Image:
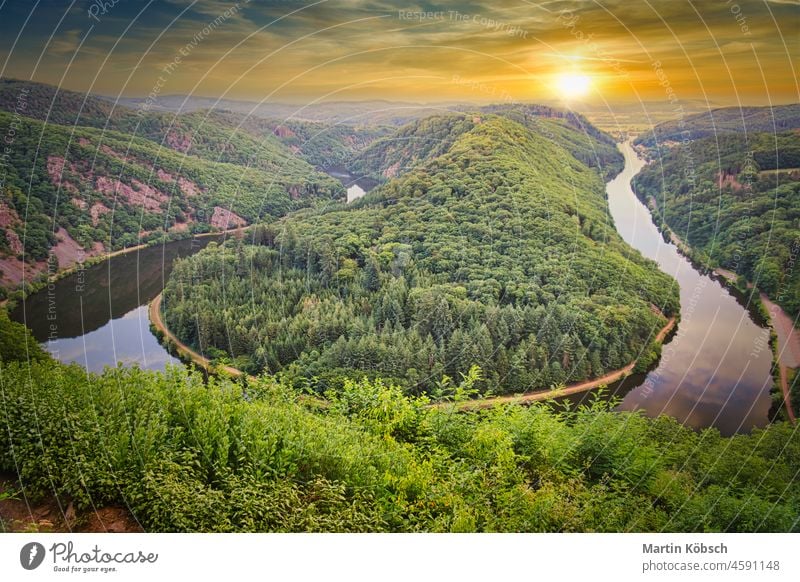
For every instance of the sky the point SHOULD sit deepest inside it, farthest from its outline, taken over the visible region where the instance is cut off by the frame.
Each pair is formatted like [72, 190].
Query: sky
[605, 52]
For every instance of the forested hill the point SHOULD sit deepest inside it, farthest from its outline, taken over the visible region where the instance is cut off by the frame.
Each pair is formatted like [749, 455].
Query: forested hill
[495, 249]
[78, 190]
[211, 135]
[322, 145]
[82, 175]
[735, 200]
[743, 120]
[418, 141]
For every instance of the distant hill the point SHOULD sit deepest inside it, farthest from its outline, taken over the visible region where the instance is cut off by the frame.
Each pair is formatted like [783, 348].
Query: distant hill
[214, 136]
[401, 151]
[320, 144]
[738, 207]
[72, 190]
[355, 113]
[725, 120]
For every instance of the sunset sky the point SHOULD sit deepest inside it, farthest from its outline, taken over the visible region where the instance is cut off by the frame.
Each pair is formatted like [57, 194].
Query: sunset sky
[605, 51]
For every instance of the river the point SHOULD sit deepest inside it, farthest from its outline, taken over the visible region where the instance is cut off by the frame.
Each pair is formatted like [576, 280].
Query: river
[356, 186]
[97, 316]
[715, 371]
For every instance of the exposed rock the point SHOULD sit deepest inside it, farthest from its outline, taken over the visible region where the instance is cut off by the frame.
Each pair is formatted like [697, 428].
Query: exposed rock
[13, 242]
[392, 170]
[283, 131]
[225, 219]
[96, 211]
[179, 141]
[8, 216]
[142, 195]
[67, 250]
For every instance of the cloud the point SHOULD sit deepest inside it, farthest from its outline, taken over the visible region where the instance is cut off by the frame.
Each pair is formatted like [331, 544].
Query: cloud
[331, 43]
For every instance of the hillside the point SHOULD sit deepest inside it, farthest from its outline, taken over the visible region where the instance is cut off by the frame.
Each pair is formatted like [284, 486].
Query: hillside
[743, 120]
[740, 211]
[496, 249]
[401, 151]
[353, 113]
[81, 191]
[213, 136]
[178, 453]
[322, 145]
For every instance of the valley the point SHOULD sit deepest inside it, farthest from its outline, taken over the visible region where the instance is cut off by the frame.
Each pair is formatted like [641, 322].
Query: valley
[462, 321]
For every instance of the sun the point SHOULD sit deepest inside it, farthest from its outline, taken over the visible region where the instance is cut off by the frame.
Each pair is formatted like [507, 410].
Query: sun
[572, 85]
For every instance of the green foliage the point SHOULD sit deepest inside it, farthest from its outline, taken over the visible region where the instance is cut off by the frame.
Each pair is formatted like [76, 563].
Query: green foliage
[726, 120]
[16, 342]
[155, 174]
[188, 456]
[738, 207]
[214, 136]
[322, 145]
[177, 169]
[423, 140]
[498, 253]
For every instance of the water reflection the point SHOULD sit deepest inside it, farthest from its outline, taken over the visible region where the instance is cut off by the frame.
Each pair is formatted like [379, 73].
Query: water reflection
[716, 369]
[356, 186]
[98, 316]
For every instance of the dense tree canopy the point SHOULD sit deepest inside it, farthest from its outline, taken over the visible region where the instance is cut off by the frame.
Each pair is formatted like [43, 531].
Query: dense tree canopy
[497, 251]
[735, 199]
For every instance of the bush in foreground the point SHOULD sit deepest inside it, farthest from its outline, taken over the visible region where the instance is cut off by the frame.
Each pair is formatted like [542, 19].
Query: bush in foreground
[185, 455]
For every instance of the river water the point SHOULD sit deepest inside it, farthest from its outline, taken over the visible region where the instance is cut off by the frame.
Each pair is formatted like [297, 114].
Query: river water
[97, 316]
[356, 186]
[715, 371]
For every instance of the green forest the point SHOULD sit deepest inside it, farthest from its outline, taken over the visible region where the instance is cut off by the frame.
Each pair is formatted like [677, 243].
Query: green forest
[485, 262]
[735, 199]
[415, 143]
[724, 121]
[55, 175]
[495, 250]
[278, 147]
[183, 454]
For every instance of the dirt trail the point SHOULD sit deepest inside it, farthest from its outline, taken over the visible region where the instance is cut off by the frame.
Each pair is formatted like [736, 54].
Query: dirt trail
[788, 349]
[184, 350]
[540, 395]
[787, 398]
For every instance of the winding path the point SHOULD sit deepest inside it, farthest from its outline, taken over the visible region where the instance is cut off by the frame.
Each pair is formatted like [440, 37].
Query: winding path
[154, 311]
[540, 395]
[188, 353]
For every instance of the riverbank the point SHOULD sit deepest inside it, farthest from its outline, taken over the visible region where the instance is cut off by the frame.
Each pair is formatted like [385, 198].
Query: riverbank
[540, 395]
[786, 337]
[787, 348]
[92, 260]
[189, 354]
[184, 351]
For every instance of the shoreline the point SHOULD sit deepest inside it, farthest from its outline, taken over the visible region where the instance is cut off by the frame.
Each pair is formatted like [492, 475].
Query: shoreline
[188, 353]
[92, 260]
[541, 395]
[786, 345]
[183, 350]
